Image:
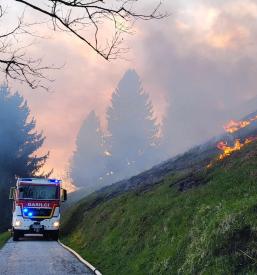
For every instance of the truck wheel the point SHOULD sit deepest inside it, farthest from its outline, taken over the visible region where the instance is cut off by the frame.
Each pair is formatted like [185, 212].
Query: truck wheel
[16, 235]
[46, 235]
[55, 235]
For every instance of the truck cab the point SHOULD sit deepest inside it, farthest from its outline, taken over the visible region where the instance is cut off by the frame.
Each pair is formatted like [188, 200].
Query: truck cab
[36, 207]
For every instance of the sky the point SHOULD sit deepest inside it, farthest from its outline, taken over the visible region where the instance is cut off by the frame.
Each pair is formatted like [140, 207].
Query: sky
[198, 66]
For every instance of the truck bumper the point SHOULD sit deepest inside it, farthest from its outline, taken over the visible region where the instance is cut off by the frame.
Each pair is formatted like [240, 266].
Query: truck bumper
[30, 226]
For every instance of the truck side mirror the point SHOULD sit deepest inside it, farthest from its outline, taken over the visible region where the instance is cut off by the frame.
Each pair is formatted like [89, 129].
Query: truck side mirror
[12, 193]
[64, 194]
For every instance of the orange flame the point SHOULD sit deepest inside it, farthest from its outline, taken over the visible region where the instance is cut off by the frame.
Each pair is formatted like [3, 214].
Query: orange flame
[233, 125]
[227, 150]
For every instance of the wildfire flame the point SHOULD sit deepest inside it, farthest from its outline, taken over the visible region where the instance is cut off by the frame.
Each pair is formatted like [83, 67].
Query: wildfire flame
[233, 125]
[228, 150]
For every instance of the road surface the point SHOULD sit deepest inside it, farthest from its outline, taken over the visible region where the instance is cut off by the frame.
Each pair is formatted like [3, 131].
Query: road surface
[34, 256]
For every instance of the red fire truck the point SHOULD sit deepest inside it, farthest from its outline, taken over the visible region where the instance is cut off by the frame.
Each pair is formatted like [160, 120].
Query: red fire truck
[36, 207]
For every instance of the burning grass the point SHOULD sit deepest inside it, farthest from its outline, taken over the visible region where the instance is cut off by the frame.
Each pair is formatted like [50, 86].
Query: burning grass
[228, 150]
[234, 126]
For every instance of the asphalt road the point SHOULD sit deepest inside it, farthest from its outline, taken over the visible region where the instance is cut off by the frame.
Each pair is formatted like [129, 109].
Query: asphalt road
[35, 256]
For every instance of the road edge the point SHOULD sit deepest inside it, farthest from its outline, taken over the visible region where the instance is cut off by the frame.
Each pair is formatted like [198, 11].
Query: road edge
[91, 267]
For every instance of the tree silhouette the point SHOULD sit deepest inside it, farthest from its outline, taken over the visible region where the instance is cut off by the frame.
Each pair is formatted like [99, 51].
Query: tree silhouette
[132, 128]
[19, 142]
[88, 162]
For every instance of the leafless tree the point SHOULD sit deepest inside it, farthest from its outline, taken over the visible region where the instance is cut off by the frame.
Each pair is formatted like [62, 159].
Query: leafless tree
[87, 20]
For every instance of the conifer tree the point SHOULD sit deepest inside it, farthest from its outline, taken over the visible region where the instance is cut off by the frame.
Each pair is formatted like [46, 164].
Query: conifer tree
[88, 162]
[19, 142]
[132, 128]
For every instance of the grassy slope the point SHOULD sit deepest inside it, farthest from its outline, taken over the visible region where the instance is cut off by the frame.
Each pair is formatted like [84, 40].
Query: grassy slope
[210, 229]
[4, 238]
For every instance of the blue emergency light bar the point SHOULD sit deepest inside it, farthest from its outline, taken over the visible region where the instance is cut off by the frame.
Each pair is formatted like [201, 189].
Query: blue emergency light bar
[39, 180]
[54, 180]
[27, 213]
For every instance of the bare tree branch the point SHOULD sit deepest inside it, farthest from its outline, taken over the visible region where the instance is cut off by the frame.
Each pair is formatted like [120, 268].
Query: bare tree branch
[24, 70]
[97, 23]
[65, 15]
[14, 63]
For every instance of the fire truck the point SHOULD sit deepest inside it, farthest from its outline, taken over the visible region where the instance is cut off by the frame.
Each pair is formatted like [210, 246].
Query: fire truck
[36, 207]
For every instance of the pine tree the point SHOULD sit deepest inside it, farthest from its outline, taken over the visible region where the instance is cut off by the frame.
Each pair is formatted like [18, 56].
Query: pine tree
[132, 128]
[19, 142]
[88, 162]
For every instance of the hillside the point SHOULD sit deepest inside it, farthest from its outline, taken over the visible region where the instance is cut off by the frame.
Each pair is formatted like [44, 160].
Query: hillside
[188, 219]
[193, 160]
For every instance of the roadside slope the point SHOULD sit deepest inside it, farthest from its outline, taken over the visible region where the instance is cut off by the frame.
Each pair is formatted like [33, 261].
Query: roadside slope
[172, 227]
[4, 238]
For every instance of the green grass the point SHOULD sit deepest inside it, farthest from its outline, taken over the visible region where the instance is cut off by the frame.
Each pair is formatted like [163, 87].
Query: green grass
[210, 229]
[4, 237]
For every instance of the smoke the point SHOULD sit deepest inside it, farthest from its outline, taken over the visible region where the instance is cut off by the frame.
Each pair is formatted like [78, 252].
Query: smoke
[204, 58]
[198, 66]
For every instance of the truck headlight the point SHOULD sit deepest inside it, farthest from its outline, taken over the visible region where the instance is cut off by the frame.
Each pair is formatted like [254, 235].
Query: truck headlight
[56, 224]
[17, 223]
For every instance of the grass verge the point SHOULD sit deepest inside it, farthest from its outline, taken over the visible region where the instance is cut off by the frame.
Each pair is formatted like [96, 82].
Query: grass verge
[4, 237]
[209, 229]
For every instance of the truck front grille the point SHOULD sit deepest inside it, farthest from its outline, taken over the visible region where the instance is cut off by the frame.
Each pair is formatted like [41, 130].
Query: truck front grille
[37, 212]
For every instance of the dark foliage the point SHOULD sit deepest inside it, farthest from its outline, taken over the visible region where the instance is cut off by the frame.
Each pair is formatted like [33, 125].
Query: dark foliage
[18, 143]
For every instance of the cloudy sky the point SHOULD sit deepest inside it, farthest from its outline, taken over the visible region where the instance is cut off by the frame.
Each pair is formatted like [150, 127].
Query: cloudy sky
[198, 65]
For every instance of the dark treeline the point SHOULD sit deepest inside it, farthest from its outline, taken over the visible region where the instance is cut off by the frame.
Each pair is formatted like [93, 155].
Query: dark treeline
[131, 145]
[18, 142]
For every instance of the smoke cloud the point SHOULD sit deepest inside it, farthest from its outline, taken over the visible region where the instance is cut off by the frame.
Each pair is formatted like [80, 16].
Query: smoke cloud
[198, 66]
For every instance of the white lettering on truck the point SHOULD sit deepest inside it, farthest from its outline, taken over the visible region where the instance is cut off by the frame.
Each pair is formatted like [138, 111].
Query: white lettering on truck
[38, 204]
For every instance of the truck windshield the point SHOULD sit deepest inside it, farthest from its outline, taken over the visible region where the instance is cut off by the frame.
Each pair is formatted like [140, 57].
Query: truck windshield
[38, 192]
